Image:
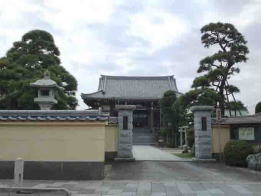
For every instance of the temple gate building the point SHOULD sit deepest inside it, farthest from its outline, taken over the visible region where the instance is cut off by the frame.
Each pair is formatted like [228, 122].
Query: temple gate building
[143, 91]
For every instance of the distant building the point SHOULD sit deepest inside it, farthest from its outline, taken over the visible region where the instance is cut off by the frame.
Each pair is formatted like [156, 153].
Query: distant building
[144, 92]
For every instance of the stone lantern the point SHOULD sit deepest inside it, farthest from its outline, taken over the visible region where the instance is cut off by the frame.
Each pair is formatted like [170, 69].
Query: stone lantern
[46, 92]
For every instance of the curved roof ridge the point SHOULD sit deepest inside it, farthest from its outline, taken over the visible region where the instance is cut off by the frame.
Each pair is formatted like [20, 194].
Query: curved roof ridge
[137, 77]
[133, 87]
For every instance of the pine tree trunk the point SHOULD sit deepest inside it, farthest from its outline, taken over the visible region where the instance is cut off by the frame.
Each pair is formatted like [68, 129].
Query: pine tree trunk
[221, 94]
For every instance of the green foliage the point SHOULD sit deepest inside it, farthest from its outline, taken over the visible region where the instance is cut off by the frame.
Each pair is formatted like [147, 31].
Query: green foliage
[201, 81]
[166, 103]
[173, 114]
[235, 152]
[163, 132]
[219, 67]
[238, 105]
[204, 96]
[26, 62]
[258, 108]
[190, 137]
[172, 110]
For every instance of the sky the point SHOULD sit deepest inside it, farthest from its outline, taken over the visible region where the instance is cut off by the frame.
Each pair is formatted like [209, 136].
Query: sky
[136, 37]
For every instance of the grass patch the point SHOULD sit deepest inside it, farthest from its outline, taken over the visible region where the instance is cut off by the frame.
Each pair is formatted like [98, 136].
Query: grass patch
[184, 155]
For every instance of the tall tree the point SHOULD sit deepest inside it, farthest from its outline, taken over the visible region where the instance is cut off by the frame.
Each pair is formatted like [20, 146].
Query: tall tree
[173, 114]
[26, 62]
[220, 66]
[166, 103]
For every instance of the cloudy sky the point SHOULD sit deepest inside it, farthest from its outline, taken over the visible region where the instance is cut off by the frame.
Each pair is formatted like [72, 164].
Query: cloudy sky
[136, 37]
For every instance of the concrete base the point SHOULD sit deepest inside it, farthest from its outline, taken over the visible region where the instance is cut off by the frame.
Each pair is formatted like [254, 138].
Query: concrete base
[110, 156]
[34, 191]
[203, 160]
[55, 170]
[124, 159]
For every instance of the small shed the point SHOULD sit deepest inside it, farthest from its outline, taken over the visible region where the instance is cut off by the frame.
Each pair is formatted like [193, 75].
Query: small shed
[246, 128]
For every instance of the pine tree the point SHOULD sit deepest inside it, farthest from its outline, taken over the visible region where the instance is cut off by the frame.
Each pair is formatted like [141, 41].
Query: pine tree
[26, 62]
[220, 66]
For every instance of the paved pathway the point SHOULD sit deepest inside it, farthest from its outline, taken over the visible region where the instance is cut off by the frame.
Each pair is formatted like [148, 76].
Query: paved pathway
[147, 188]
[162, 178]
[150, 153]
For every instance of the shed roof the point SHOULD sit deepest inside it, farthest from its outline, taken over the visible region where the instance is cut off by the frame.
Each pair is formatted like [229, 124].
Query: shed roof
[250, 119]
[133, 87]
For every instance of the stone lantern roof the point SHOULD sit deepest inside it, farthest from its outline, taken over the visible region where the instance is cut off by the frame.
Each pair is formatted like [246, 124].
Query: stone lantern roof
[45, 81]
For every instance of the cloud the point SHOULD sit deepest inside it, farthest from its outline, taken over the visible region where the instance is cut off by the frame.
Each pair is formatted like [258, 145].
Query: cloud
[157, 27]
[67, 15]
[150, 37]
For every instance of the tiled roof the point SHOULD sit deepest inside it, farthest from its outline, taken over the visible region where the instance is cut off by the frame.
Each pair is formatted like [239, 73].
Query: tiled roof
[133, 87]
[51, 115]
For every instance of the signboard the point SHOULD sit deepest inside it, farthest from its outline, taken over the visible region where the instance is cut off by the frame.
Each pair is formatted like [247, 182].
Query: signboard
[246, 133]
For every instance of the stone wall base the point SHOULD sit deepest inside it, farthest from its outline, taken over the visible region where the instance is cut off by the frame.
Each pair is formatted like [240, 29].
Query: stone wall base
[55, 170]
[119, 159]
[219, 157]
[204, 160]
[110, 156]
[33, 191]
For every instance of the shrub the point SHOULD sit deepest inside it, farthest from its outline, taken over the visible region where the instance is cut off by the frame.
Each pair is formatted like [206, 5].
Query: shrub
[163, 132]
[235, 152]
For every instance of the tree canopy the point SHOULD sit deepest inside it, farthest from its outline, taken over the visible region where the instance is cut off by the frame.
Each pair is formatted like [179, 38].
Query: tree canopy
[219, 67]
[166, 103]
[26, 62]
[173, 113]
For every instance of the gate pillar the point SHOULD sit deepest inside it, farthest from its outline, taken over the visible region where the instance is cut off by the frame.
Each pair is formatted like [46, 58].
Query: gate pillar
[203, 132]
[125, 124]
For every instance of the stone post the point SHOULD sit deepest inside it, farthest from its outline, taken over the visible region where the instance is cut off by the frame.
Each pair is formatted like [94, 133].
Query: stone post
[152, 118]
[125, 124]
[186, 138]
[19, 172]
[203, 132]
[181, 138]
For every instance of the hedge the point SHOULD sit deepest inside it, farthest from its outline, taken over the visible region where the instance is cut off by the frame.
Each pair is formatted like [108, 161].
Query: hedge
[235, 152]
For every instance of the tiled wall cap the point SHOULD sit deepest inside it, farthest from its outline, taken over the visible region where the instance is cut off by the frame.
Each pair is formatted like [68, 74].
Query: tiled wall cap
[202, 108]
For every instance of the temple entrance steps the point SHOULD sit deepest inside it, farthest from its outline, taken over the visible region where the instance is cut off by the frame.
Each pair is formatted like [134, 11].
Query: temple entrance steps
[143, 136]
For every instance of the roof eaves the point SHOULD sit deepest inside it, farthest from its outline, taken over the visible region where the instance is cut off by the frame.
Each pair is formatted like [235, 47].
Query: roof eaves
[249, 119]
[85, 95]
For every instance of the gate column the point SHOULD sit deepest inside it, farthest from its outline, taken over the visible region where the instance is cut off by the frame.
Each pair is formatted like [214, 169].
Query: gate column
[203, 132]
[125, 124]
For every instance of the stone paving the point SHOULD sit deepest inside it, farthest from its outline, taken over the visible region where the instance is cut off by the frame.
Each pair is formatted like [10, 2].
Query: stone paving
[157, 178]
[167, 176]
[151, 153]
[147, 188]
